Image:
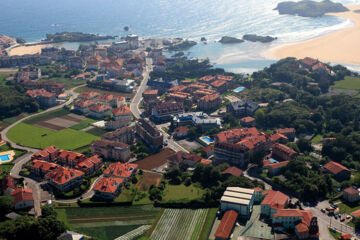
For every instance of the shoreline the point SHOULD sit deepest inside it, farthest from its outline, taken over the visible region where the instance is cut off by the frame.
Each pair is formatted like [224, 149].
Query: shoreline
[340, 46]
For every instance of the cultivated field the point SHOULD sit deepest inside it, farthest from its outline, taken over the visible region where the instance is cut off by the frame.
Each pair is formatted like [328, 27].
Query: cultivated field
[37, 137]
[107, 223]
[147, 180]
[180, 224]
[155, 160]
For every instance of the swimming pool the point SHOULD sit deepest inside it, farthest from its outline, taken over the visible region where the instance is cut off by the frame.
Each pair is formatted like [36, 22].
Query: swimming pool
[273, 160]
[207, 140]
[239, 89]
[5, 158]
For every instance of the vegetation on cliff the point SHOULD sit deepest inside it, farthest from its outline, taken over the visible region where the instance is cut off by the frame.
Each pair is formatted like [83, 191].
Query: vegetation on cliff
[75, 37]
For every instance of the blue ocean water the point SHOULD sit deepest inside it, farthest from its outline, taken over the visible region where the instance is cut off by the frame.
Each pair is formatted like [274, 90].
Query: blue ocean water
[193, 19]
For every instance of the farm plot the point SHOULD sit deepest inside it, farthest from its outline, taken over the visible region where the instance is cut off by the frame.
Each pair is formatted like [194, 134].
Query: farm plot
[180, 224]
[147, 180]
[59, 123]
[156, 160]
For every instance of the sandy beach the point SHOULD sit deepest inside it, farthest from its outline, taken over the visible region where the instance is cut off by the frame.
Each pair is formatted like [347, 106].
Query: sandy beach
[22, 50]
[339, 47]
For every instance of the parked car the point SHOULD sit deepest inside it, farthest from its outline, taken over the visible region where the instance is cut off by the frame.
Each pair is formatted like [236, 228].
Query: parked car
[348, 217]
[342, 219]
[323, 210]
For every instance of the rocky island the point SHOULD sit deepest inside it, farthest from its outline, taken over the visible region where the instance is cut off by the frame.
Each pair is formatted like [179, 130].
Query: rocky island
[74, 37]
[227, 40]
[183, 45]
[307, 8]
[256, 38]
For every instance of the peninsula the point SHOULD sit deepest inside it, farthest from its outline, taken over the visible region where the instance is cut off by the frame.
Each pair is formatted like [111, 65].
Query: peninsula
[74, 37]
[307, 8]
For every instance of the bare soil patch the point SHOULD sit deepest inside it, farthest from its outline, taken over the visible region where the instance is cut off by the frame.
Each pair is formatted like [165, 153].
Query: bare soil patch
[156, 160]
[147, 180]
[46, 125]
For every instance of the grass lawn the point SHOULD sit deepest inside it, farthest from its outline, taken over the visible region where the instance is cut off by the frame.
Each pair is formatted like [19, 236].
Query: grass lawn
[18, 152]
[335, 235]
[351, 83]
[177, 192]
[317, 138]
[209, 220]
[348, 208]
[83, 124]
[37, 137]
[56, 113]
[97, 131]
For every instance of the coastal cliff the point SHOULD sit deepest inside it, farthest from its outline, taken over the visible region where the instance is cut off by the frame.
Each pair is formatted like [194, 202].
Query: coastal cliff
[307, 8]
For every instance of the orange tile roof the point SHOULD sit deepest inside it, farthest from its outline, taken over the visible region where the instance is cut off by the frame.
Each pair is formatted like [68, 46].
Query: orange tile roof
[122, 110]
[284, 148]
[122, 170]
[285, 130]
[43, 165]
[177, 88]
[89, 95]
[206, 161]
[84, 103]
[89, 162]
[335, 167]
[257, 189]
[275, 165]
[346, 236]
[22, 194]
[218, 83]
[226, 225]
[277, 136]
[39, 93]
[210, 98]
[179, 95]
[233, 171]
[356, 214]
[62, 175]
[205, 91]
[106, 97]
[351, 191]
[224, 78]
[99, 107]
[207, 78]
[150, 92]
[276, 199]
[45, 152]
[198, 85]
[108, 185]
[247, 119]
[72, 156]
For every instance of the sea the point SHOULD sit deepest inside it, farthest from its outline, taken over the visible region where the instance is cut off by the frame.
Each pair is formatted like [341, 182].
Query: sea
[190, 19]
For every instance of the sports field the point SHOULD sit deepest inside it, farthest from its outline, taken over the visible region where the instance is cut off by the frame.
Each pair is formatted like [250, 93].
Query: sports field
[37, 137]
[351, 83]
[107, 223]
[180, 224]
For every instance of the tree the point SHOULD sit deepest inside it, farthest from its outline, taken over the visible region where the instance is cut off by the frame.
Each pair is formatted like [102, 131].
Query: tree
[155, 194]
[357, 223]
[6, 205]
[304, 145]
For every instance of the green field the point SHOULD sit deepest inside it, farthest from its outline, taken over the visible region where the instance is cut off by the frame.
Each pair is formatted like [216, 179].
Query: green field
[348, 208]
[208, 224]
[176, 192]
[97, 131]
[317, 138]
[351, 83]
[37, 137]
[83, 124]
[107, 223]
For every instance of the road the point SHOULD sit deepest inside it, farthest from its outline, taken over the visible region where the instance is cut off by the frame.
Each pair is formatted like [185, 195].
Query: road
[134, 107]
[19, 162]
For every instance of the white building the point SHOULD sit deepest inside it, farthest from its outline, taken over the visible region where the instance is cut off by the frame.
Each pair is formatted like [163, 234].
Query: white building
[238, 199]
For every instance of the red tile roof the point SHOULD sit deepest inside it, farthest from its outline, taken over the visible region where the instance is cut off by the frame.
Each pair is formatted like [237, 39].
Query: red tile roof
[22, 194]
[181, 156]
[198, 85]
[39, 93]
[335, 167]
[207, 78]
[206, 161]
[99, 107]
[122, 170]
[84, 103]
[177, 88]
[43, 165]
[45, 152]
[275, 165]
[62, 175]
[257, 189]
[346, 236]
[210, 98]
[181, 130]
[309, 61]
[106, 97]
[71, 156]
[277, 136]
[89, 162]
[150, 92]
[351, 191]
[122, 110]
[8, 182]
[226, 225]
[181, 95]
[247, 119]
[233, 171]
[356, 214]
[204, 91]
[285, 149]
[108, 185]
[218, 83]
[276, 199]
[224, 78]
[208, 149]
[285, 130]
[89, 95]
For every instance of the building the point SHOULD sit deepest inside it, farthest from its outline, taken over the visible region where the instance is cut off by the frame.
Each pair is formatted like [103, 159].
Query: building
[69, 158]
[121, 170]
[63, 179]
[122, 113]
[206, 79]
[82, 106]
[133, 41]
[124, 134]
[41, 168]
[149, 133]
[226, 226]
[238, 199]
[47, 154]
[162, 84]
[163, 111]
[75, 62]
[181, 132]
[114, 125]
[339, 172]
[274, 168]
[90, 165]
[196, 118]
[180, 88]
[89, 95]
[43, 97]
[28, 74]
[108, 99]
[23, 198]
[70, 235]
[273, 201]
[100, 110]
[183, 159]
[233, 171]
[248, 121]
[351, 194]
[207, 151]
[242, 108]
[203, 92]
[220, 86]
[8, 185]
[282, 152]
[209, 102]
[111, 150]
[288, 132]
[108, 188]
[149, 94]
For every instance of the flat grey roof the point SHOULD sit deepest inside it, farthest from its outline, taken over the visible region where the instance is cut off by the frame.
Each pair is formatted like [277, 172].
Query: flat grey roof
[240, 190]
[238, 195]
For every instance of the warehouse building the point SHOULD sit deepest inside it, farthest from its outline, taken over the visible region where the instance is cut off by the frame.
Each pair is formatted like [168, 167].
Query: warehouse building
[239, 199]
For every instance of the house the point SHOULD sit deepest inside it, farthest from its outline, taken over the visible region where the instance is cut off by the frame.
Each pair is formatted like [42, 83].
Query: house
[41, 168]
[220, 86]
[75, 62]
[203, 92]
[196, 86]
[90, 165]
[43, 97]
[183, 97]
[8, 185]
[242, 108]
[282, 152]
[162, 84]
[122, 113]
[207, 151]
[206, 79]
[209, 102]
[121, 170]
[239, 199]
[70, 235]
[288, 132]
[273, 201]
[183, 159]
[248, 121]
[47, 154]
[196, 118]
[100, 110]
[181, 132]
[234, 171]
[111, 150]
[28, 73]
[93, 64]
[23, 198]
[69, 158]
[224, 78]
[339, 172]
[163, 111]
[108, 188]
[180, 88]
[83, 106]
[108, 99]
[63, 179]
[149, 133]
[351, 194]
[114, 125]
[149, 94]
[89, 95]
[274, 168]
[226, 226]
[124, 134]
